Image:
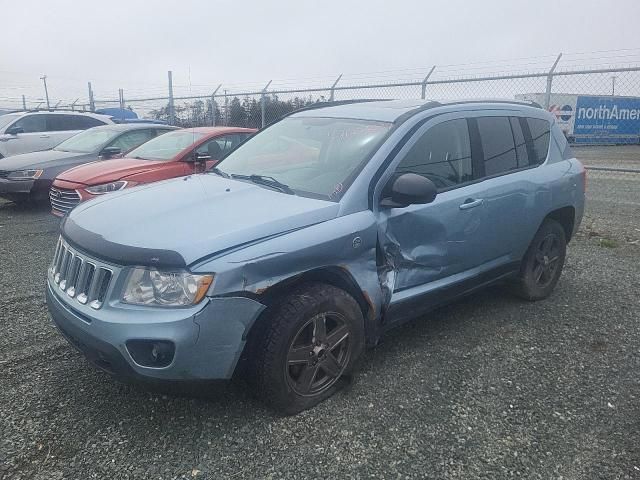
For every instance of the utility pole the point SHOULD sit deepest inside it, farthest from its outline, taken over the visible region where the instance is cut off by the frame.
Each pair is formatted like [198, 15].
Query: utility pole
[613, 85]
[24, 103]
[46, 92]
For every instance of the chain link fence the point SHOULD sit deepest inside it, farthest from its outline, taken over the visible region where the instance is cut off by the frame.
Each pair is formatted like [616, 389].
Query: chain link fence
[599, 106]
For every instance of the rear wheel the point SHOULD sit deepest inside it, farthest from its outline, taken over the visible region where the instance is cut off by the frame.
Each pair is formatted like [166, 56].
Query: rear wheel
[305, 348]
[542, 264]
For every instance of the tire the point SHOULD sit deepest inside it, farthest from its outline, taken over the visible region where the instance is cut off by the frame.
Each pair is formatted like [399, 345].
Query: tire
[294, 362]
[542, 265]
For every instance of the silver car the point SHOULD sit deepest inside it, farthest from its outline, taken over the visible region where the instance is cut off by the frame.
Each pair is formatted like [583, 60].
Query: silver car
[24, 132]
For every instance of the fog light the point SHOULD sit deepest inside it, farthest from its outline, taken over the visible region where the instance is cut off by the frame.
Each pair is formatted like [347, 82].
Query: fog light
[152, 353]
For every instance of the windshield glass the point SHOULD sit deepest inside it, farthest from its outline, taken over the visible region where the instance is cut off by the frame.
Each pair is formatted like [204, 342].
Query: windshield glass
[5, 120]
[89, 141]
[315, 156]
[166, 146]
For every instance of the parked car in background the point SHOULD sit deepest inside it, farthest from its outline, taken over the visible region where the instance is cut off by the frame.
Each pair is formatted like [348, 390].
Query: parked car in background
[29, 176]
[24, 132]
[175, 154]
[294, 266]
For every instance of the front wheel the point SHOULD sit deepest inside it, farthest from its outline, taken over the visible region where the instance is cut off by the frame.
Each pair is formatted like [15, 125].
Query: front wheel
[306, 346]
[542, 264]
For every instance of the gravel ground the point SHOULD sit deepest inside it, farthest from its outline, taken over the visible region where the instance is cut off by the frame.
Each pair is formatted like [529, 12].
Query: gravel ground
[490, 387]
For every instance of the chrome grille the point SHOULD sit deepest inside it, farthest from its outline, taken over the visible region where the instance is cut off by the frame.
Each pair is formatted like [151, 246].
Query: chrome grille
[4, 173]
[79, 276]
[63, 200]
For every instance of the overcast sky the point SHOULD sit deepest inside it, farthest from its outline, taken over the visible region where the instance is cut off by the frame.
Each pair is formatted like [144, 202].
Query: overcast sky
[131, 44]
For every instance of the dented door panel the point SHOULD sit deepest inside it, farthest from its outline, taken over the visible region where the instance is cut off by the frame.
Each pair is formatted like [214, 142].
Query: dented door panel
[424, 243]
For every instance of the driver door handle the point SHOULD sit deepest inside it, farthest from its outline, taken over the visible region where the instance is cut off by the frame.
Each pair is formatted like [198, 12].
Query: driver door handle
[471, 203]
[44, 136]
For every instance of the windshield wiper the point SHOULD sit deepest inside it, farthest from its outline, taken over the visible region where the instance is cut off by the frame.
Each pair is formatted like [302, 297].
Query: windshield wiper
[266, 181]
[217, 171]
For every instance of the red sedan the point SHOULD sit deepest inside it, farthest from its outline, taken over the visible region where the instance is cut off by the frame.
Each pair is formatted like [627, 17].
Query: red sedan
[174, 154]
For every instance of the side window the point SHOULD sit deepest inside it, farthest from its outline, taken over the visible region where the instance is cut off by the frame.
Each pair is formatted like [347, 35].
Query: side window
[497, 145]
[32, 123]
[442, 154]
[218, 147]
[210, 149]
[60, 123]
[161, 131]
[82, 122]
[540, 136]
[129, 140]
[521, 145]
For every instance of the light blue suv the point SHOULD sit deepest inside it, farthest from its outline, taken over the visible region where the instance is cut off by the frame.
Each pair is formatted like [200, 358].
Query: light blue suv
[312, 239]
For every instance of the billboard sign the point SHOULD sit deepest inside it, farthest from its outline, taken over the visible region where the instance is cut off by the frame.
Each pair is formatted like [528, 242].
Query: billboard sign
[592, 118]
[607, 118]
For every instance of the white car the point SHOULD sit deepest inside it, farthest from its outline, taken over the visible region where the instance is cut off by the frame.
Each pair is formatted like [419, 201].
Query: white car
[24, 132]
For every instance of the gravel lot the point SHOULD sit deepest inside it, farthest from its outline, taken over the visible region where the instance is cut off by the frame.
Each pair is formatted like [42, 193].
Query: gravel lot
[490, 387]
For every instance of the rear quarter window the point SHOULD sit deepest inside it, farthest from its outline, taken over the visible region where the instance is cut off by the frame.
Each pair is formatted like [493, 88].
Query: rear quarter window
[540, 135]
[81, 122]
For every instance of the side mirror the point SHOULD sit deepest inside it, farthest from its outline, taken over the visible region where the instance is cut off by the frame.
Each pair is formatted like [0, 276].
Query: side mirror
[14, 130]
[408, 189]
[109, 152]
[196, 157]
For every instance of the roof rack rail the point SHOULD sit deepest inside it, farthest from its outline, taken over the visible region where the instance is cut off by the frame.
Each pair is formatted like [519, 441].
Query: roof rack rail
[335, 103]
[53, 110]
[529, 103]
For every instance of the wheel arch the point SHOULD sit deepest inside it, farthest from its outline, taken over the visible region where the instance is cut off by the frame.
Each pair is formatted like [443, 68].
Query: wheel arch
[336, 276]
[566, 217]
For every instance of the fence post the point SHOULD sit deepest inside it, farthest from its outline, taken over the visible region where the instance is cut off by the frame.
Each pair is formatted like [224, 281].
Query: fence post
[172, 113]
[46, 90]
[213, 106]
[24, 103]
[92, 103]
[424, 83]
[333, 88]
[262, 102]
[547, 95]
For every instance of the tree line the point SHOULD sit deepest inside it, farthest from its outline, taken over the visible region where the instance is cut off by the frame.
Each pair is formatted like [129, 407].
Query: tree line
[232, 111]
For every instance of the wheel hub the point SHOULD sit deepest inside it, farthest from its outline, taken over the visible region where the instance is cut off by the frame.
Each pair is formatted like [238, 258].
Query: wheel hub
[319, 353]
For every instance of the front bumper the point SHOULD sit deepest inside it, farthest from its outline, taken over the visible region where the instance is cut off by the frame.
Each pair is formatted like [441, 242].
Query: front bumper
[23, 189]
[208, 343]
[14, 189]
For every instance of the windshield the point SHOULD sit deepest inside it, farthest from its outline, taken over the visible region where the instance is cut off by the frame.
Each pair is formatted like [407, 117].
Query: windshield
[7, 119]
[166, 146]
[315, 156]
[89, 141]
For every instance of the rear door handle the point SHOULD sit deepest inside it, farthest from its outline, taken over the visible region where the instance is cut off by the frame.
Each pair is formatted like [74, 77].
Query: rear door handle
[45, 136]
[471, 203]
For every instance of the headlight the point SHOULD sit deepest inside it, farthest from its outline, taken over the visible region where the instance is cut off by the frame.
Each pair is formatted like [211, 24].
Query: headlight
[107, 187]
[25, 174]
[148, 286]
